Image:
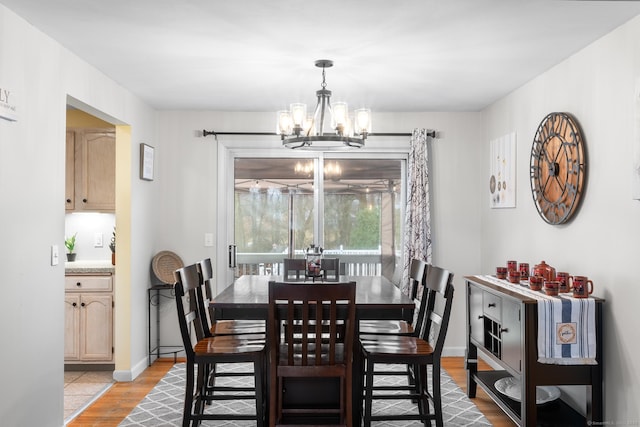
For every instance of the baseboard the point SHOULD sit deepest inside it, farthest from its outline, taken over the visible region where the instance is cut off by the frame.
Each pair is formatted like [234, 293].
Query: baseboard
[453, 352]
[130, 375]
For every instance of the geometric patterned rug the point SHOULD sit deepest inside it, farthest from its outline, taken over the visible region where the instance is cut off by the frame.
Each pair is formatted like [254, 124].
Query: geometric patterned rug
[163, 405]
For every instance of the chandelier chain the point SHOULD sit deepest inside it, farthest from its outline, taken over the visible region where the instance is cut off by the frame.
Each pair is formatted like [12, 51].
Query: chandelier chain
[324, 82]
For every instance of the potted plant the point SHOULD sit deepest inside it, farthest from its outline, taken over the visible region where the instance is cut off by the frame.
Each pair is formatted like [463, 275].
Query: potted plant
[70, 243]
[112, 246]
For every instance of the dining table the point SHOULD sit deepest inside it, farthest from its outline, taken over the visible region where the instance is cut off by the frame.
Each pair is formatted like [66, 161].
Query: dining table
[377, 298]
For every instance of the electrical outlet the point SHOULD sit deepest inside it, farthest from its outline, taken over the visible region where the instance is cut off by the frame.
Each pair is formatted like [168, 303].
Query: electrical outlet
[208, 239]
[97, 240]
[54, 255]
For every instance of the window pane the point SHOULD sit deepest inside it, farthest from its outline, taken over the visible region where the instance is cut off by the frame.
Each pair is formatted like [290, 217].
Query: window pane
[361, 213]
[269, 196]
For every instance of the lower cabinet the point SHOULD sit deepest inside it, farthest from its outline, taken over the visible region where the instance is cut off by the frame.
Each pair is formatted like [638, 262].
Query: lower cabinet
[88, 335]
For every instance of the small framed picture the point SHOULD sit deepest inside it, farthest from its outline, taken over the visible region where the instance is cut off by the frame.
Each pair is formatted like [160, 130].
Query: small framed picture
[146, 162]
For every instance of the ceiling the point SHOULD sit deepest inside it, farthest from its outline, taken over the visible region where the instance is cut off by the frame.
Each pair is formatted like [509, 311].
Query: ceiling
[257, 55]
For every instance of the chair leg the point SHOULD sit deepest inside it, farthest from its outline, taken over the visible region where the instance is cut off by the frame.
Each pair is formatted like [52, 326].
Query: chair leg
[259, 385]
[437, 392]
[188, 396]
[368, 387]
[201, 392]
[422, 389]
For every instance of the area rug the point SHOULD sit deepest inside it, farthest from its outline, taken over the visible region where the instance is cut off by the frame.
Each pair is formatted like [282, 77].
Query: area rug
[163, 405]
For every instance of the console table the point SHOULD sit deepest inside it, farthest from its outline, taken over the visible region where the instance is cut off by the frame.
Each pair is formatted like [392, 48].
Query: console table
[502, 324]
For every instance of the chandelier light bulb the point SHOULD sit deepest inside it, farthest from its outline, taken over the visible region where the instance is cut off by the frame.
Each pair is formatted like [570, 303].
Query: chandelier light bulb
[309, 127]
[339, 116]
[298, 115]
[362, 121]
[283, 126]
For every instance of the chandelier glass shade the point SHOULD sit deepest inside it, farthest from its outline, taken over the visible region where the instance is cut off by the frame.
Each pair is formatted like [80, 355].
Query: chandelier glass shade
[298, 129]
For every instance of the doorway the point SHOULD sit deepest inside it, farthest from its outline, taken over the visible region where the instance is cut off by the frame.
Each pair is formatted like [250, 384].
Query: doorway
[105, 222]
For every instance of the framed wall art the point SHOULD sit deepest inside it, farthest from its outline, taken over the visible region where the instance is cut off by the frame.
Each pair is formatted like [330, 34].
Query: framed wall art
[502, 174]
[146, 162]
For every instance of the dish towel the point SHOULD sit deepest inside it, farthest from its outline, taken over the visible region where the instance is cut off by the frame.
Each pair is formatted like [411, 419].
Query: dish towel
[566, 331]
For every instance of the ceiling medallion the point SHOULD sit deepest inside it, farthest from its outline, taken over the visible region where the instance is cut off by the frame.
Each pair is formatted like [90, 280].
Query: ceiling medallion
[297, 130]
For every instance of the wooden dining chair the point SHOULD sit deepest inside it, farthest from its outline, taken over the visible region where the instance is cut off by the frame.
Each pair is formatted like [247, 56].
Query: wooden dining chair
[416, 351]
[204, 352]
[330, 268]
[211, 325]
[313, 349]
[417, 273]
[294, 269]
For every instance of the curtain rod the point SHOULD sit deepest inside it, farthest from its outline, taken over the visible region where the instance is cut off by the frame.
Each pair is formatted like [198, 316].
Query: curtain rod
[431, 133]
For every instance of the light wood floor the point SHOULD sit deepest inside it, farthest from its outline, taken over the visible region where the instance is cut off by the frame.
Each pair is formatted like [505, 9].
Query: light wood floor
[115, 404]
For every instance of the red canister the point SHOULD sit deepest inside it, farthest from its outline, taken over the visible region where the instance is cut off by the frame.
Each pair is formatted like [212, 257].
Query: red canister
[545, 271]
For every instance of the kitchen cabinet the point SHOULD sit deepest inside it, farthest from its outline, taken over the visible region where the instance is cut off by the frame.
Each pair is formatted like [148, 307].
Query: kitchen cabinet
[502, 325]
[90, 170]
[88, 318]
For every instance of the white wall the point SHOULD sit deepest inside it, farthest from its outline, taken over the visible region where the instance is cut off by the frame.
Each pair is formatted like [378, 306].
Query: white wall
[597, 86]
[40, 74]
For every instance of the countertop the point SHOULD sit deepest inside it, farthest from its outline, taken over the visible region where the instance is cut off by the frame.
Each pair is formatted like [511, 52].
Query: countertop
[89, 267]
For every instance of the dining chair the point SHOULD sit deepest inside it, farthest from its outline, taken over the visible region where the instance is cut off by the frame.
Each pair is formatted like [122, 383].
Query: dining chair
[204, 352]
[294, 269]
[417, 351]
[313, 349]
[211, 325]
[330, 268]
[417, 274]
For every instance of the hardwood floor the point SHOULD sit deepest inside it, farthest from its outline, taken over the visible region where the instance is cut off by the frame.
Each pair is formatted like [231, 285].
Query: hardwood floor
[115, 404]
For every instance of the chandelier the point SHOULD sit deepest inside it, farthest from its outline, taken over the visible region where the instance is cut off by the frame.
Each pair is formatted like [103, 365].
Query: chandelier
[297, 130]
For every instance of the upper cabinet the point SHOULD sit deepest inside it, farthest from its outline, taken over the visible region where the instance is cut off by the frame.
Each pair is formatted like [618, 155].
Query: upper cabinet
[91, 170]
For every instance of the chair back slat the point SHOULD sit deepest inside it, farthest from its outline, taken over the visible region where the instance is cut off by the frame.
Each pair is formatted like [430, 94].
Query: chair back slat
[330, 269]
[439, 299]
[187, 283]
[417, 276]
[205, 268]
[309, 320]
[294, 268]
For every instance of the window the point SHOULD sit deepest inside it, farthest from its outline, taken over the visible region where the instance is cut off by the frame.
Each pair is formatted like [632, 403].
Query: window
[352, 207]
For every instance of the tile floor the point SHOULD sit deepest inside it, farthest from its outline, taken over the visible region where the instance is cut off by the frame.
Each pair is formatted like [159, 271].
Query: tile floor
[83, 387]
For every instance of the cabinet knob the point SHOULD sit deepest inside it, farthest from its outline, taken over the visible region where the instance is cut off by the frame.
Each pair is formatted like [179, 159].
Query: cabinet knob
[492, 304]
[82, 304]
[78, 284]
[84, 200]
[74, 304]
[68, 200]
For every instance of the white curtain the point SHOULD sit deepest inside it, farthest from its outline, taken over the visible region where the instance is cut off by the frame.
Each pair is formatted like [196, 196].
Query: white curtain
[417, 237]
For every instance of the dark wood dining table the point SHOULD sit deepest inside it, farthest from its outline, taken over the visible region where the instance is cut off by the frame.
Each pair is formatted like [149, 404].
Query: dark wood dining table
[377, 298]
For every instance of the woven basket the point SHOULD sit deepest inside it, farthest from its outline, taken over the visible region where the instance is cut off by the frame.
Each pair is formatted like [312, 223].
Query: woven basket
[164, 264]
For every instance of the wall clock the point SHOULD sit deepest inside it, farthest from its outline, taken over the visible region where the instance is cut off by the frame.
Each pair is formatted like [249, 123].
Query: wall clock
[558, 167]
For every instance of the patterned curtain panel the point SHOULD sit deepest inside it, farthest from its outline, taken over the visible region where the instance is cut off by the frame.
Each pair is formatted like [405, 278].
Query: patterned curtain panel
[417, 237]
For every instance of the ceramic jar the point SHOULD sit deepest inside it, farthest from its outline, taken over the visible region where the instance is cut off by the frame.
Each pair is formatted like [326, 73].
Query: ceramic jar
[545, 271]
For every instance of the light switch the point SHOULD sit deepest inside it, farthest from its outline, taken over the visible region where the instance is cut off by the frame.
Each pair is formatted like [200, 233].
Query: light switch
[208, 239]
[97, 240]
[54, 255]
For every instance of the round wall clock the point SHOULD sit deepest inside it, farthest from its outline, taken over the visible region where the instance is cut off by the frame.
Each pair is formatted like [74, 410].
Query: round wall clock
[558, 167]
